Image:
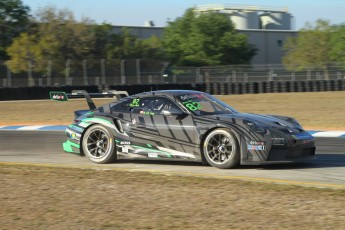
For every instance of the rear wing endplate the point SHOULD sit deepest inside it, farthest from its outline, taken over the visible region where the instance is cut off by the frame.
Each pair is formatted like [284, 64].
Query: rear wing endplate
[62, 96]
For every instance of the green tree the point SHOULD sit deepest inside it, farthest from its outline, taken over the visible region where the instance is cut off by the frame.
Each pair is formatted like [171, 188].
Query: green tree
[14, 19]
[105, 39]
[57, 36]
[124, 46]
[24, 51]
[310, 49]
[128, 46]
[205, 39]
[337, 45]
[152, 48]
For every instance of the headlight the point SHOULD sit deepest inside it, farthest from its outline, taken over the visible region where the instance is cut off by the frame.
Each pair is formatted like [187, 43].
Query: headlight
[255, 127]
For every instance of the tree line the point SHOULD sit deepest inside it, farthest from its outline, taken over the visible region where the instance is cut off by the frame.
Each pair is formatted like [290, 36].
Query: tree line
[318, 45]
[193, 39]
[55, 35]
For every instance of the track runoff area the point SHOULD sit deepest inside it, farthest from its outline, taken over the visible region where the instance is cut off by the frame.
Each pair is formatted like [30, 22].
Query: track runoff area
[41, 146]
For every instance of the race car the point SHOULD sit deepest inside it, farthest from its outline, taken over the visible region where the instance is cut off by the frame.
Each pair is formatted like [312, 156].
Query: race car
[183, 125]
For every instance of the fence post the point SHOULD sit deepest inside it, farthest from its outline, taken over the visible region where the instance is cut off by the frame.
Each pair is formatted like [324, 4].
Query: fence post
[30, 80]
[86, 82]
[49, 73]
[293, 76]
[174, 78]
[234, 77]
[338, 75]
[67, 71]
[123, 78]
[228, 78]
[270, 75]
[198, 78]
[137, 64]
[318, 76]
[103, 71]
[245, 75]
[9, 77]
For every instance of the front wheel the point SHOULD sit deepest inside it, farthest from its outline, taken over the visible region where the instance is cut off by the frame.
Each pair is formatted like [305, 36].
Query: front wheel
[221, 149]
[98, 145]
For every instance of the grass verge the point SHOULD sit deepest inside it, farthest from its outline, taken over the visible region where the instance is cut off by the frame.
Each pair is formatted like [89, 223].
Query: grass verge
[60, 198]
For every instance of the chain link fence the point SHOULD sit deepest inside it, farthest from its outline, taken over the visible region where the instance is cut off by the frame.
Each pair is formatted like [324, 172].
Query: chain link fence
[140, 71]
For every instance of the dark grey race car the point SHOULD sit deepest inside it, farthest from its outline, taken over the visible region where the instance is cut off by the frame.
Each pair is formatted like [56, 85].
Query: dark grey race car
[184, 125]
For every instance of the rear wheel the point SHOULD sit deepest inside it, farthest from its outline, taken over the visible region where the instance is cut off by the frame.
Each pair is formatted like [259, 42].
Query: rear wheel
[221, 149]
[98, 144]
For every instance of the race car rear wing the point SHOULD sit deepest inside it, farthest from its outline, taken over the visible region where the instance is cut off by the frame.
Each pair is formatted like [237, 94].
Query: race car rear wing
[62, 96]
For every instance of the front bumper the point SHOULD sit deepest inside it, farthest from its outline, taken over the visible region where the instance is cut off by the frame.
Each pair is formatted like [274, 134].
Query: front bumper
[72, 145]
[278, 154]
[280, 148]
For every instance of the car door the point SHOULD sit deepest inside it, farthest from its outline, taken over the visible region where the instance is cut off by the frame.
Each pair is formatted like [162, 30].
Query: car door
[157, 122]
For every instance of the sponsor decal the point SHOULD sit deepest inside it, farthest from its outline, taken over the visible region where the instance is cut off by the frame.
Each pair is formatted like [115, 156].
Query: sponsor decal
[192, 105]
[146, 113]
[190, 96]
[73, 135]
[135, 103]
[152, 154]
[124, 149]
[277, 139]
[257, 145]
[58, 97]
[125, 142]
[176, 153]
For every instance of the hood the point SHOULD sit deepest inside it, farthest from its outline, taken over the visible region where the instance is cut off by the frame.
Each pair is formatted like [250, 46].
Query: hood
[268, 121]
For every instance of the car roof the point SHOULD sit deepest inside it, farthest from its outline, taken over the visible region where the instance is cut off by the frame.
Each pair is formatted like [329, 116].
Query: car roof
[169, 93]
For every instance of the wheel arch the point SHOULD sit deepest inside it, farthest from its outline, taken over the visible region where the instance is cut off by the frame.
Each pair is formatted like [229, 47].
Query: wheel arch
[110, 131]
[97, 123]
[218, 126]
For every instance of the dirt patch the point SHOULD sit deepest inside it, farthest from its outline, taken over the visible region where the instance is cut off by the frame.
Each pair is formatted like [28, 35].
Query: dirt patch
[56, 198]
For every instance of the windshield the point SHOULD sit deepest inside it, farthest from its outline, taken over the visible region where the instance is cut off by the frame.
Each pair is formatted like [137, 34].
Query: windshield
[204, 104]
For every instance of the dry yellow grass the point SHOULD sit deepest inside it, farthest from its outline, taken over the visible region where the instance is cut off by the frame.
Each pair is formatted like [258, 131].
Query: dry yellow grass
[321, 110]
[62, 198]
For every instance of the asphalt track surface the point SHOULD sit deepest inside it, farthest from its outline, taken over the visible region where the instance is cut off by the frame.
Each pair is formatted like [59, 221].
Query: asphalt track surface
[45, 148]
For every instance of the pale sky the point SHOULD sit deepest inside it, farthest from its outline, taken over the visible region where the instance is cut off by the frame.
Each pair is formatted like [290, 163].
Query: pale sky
[136, 12]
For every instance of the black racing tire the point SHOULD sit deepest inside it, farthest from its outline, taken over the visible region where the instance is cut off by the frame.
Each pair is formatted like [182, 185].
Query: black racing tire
[221, 149]
[98, 145]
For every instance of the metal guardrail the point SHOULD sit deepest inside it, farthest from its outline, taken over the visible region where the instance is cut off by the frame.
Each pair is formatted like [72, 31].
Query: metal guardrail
[215, 88]
[122, 72]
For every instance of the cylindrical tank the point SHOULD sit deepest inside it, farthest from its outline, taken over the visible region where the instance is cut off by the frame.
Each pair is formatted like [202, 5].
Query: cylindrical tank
[245, 19]
[276, 21]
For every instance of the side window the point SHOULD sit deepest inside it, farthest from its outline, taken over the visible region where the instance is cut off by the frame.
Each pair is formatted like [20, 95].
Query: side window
[122, 106]
[154, 106]
[143, 106]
